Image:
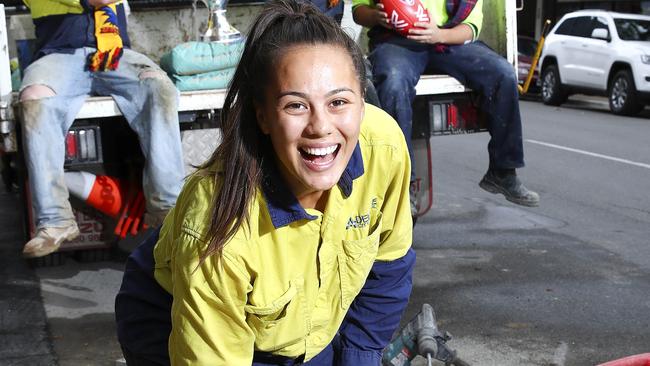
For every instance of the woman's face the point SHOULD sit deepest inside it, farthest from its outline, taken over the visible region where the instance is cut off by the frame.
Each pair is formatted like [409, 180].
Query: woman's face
[312, 112]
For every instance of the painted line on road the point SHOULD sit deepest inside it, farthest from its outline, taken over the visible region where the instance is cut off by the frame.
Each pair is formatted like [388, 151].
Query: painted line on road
[584, 152]
[559, 357]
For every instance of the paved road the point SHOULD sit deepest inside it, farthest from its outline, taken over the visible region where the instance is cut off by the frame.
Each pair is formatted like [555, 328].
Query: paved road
[567, 283]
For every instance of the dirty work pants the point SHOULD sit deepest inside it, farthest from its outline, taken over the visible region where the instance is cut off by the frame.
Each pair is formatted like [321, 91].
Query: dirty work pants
[149, 105]
[397, 64]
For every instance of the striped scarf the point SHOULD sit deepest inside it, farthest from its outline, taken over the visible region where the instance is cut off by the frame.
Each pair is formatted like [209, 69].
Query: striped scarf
[109, 42]
[458, 11]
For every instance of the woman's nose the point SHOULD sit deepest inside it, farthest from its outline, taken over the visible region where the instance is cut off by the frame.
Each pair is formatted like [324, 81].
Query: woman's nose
[320, 123]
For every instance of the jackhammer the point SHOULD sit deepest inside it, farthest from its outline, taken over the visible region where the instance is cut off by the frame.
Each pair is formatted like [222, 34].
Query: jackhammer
[421, 336]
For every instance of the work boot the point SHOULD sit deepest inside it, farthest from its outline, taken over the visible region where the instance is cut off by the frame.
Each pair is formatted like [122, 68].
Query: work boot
[49, 239]
[508, 184]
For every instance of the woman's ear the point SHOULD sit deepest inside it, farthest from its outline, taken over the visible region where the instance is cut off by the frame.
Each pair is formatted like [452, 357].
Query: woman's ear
[261, 121]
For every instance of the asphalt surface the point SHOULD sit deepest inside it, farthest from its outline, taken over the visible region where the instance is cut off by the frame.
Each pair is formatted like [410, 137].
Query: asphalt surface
[24, 337]
[567, 283]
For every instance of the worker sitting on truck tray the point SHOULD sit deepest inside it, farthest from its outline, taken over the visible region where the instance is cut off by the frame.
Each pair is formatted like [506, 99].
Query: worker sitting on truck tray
[292, 243]
[82, 50]
[449, 45]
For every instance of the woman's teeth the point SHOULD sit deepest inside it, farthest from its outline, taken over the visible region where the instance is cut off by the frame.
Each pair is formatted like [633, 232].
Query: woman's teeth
[320, 151]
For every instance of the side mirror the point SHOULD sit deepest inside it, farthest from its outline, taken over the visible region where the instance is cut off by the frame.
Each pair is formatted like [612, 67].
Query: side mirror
[601, 33]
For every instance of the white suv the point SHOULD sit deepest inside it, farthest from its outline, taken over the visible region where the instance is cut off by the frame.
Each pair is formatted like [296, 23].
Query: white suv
[601, 53]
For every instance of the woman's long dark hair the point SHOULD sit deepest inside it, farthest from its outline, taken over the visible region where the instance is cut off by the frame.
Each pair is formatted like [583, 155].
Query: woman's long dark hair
[280, 25]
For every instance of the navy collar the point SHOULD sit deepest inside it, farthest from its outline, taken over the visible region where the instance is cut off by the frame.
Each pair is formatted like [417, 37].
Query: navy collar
[284, 207]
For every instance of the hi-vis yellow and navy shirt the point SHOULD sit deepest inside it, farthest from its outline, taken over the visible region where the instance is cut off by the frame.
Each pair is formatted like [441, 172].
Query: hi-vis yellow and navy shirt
[283, 289]
[62, 26]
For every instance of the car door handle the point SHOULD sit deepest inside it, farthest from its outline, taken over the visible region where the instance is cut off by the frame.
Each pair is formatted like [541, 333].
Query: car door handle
[585, 45]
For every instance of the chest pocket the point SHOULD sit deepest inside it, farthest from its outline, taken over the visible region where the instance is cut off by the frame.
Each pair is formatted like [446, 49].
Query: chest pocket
[281, 323]
[355, 261]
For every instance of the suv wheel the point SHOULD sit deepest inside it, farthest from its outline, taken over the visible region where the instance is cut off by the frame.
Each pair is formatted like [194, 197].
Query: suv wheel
[623, 98]
[552, 91]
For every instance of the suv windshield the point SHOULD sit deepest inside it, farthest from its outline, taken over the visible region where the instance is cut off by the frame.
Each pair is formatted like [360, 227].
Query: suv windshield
[633, 29]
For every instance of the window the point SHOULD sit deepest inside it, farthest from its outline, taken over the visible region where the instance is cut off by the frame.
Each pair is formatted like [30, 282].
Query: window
[633, 29]
[565, 27]
[577, 26]
[582, 27]
[599, 23]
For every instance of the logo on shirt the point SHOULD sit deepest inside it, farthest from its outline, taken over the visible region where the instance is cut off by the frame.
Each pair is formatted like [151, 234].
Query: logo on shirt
[361, 221]
[358, 221]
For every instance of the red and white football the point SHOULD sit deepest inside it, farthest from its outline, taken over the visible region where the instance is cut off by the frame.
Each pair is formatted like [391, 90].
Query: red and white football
[402, 14]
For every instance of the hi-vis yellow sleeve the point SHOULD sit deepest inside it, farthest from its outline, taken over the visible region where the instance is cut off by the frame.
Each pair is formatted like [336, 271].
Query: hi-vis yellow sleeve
[397, 226]
[208, 319]
[43, 8]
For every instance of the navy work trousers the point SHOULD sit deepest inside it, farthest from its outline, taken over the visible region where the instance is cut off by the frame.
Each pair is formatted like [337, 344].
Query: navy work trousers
[397, 64]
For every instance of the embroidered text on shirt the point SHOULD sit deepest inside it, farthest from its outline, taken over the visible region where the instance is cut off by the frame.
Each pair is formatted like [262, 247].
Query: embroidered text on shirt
[358, 221]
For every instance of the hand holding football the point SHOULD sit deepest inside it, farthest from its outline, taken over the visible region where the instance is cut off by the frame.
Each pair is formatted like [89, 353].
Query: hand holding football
[403, 14]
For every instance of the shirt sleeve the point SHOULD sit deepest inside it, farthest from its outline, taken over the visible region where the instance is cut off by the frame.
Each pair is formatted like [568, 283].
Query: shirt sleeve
[397, 224]
[80, 4]
[356, 3]
[74, 3]
[208, 319]
[375, 313]
[475, 19]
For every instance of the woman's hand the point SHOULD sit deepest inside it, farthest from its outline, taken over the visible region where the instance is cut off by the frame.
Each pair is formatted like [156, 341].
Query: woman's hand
[426, 33]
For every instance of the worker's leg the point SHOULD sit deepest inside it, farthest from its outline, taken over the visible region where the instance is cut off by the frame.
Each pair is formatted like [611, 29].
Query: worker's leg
[484, 71]
[396, 69]
[53, 90]
[149, 102]
[370, 92]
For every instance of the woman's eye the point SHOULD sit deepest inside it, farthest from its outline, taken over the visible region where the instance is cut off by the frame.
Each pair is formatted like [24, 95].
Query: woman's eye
[338, 103]
[295, 106]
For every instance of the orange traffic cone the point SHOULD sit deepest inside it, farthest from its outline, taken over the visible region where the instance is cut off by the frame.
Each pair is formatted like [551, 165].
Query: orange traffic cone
[99, 191]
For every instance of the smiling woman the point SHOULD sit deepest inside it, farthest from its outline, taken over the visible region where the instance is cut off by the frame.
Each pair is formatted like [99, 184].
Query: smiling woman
[292, 243]
[312, 112]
